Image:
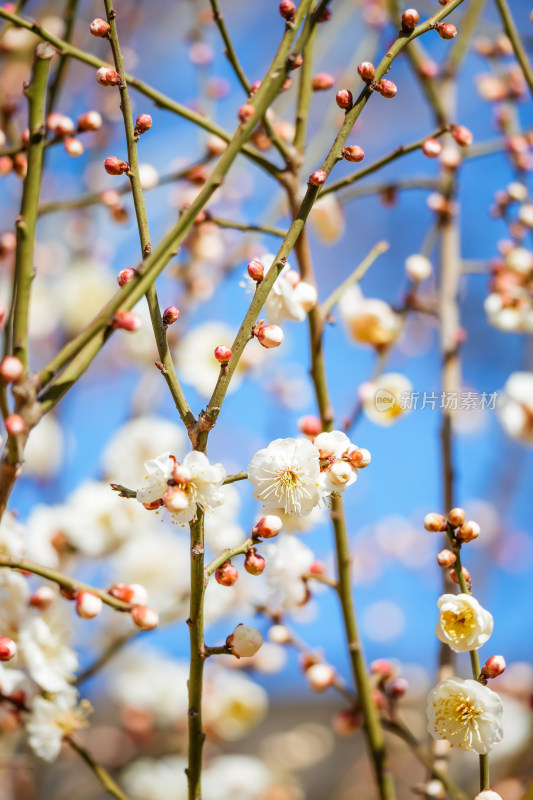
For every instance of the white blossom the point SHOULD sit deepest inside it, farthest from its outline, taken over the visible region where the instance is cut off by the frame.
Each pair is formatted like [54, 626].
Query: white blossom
[386, 399]
[12, 541]
[233, 704]
[287, 560]
[286, 475]
[51, 719]
[152, 683]
[337, 473]
[156, 779]
[463, 623]
[515, 407]
[202, 488]
[466, 713]
[368, 321]
[44, 652]
[289, 298]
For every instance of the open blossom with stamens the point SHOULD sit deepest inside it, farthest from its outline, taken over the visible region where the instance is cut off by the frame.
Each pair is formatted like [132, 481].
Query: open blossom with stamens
[286, 475]
[466, 713]
[368, 320]
[53, 718]
[200, 486]
[463, 623]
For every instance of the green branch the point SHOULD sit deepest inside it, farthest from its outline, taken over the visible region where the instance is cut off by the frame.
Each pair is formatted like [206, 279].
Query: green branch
[514, 37]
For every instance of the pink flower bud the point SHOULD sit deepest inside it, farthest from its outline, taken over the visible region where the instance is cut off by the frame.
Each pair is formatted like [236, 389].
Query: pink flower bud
[68, 593]
[8, 648]
[450, 157]
[322, 82]
[382, 667]
[446, 30]
[246, 112]
[456, 517]
[318, 178]
[320, 677]
[15, 425]
[125, 276]
[466, 576]
[432, 148]
[108, 77]
[387, 88]
[11, 369]
[462, 135]
[253, 562]
[100, 28]
[6, 165]
[310, 426]
[446, 559]
[88, 605]
[181, 474]
[20, 164]
[353, 153]
[244, 641]
[428, 69]
[175, 500]
[43, 598]
[226, 574]
[215, 145]
[143, 123]
[344, 99]
[468, 531]
[73, 147]
[145, 618]
[59, 124]
[410, 19]
[295, 61]
[287, 10]
[493, 666]
[366, 71]
[170, 315]
[90, 121]
[127, 320]
[269, 336]
[434, 522]
[347, 722]
[223, 353]
[268, 527]
[256, 270]
[115, 166]
[397, 688]
[132, 593]
[358, 458]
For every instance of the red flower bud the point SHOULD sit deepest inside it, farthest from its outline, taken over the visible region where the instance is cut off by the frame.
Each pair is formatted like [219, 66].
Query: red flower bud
[267, 527]
[90, 121]
[366, 71]
[269, 335]
[127, 320]
[410, 19]
[344, 99]
[463, 136]
[108, 77]
[223, 353]
[99, 27]
[11, 369]
[145, 618]
[353, 153]
[256, 270]
[322, 81]
[15, 425]
[253, 562]
[170, 315]
[446, 30]
[287, 10]
[226, 574]
[493, 666]
[246, 112]
[310, 426]
[143, 123]
[432, 148]
[387, 88]
[8, 648]
[73, 147]
[88, 605]
[318, 178]
[125, 276]
[115, 166]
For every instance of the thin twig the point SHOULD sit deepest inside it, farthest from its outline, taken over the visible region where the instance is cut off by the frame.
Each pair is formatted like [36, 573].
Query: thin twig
[98, 770]
[514, 37]
[355, 277]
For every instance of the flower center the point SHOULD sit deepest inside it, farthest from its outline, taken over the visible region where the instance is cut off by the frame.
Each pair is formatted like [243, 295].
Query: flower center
[289, 485]
[458, 625]
[458, 715]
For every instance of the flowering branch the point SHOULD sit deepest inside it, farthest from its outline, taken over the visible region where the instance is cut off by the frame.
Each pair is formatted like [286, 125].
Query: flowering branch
[402, 150]
[70, 584]
[230, 552]
[161, 100]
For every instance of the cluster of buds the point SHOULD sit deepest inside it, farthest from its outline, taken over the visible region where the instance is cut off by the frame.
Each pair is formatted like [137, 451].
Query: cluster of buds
[268, 335]
[387, 686]
[341, 469]
[509, 304]
[136, 596]
[63, 129]
[320, 675]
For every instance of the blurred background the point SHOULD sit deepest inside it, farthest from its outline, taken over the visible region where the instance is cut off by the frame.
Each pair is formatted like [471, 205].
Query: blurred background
[176, 48]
